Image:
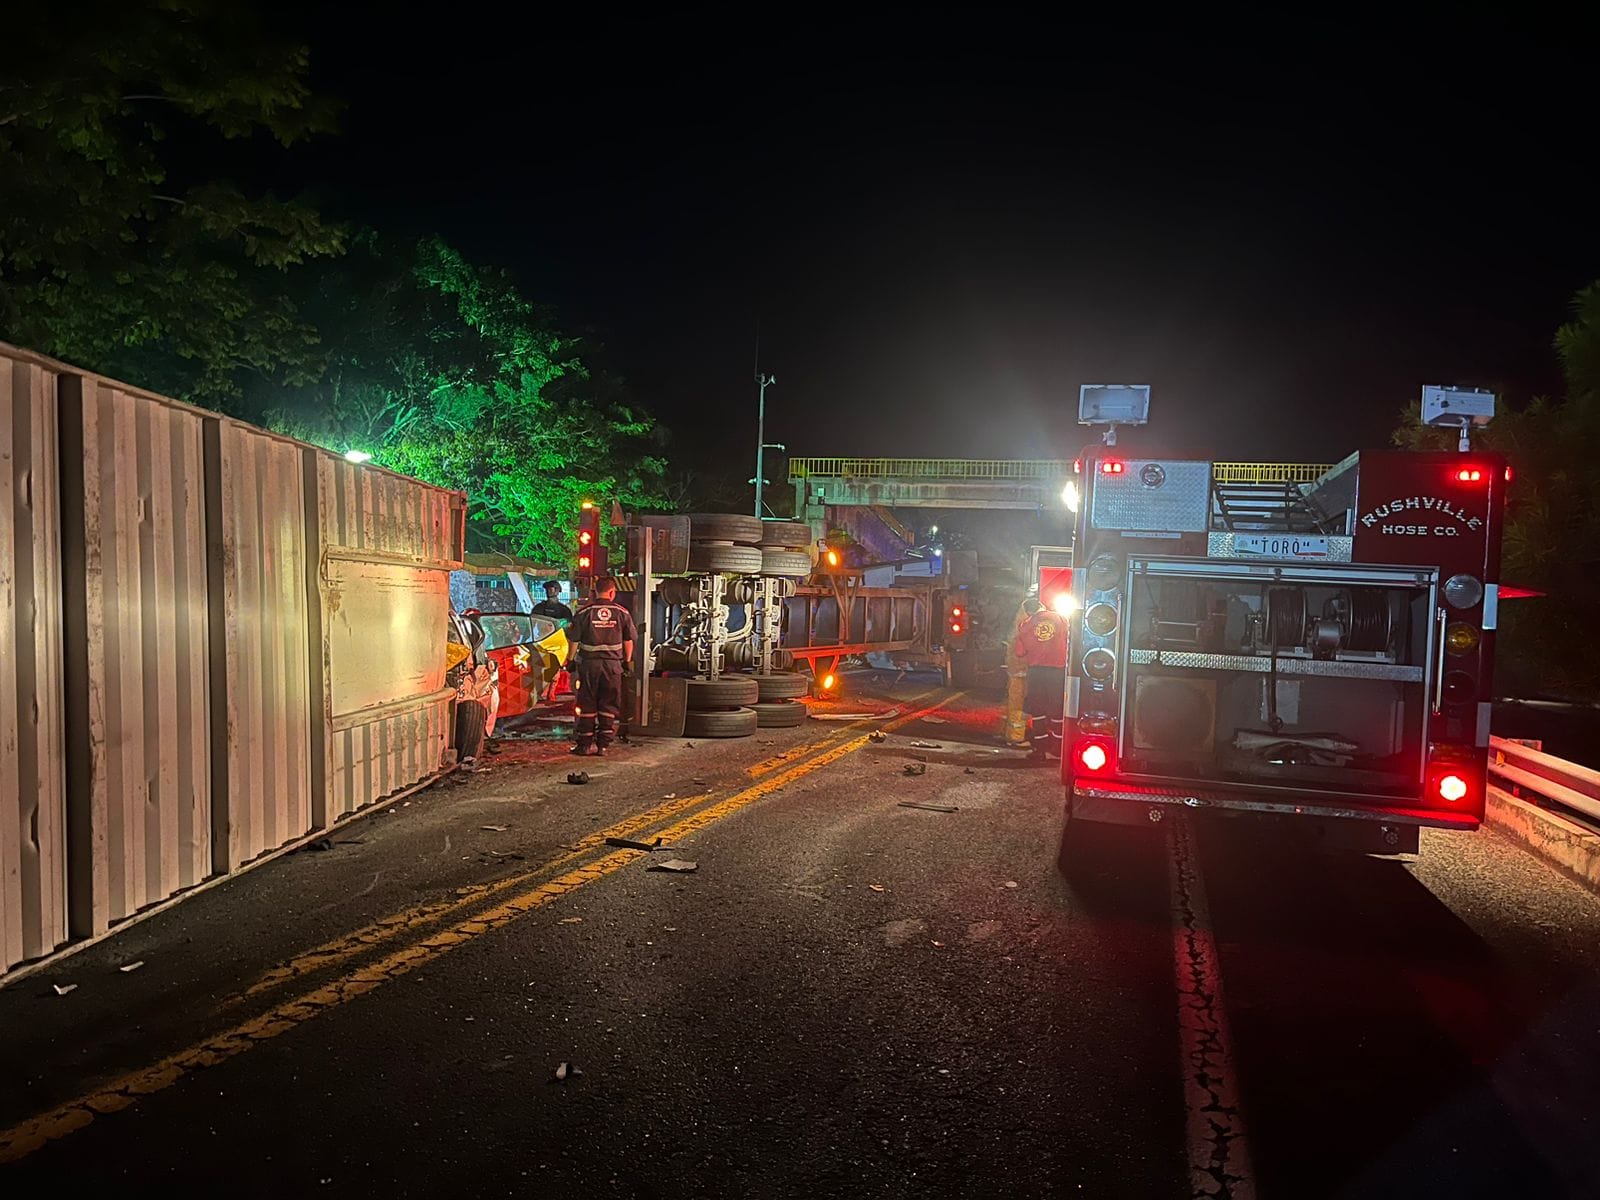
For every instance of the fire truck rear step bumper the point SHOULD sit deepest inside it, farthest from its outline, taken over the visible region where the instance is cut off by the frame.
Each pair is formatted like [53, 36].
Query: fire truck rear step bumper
[1131, 803]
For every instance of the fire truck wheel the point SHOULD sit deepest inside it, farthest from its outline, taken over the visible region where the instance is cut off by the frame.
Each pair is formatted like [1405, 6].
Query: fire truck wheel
[725, 527]
[788, 564]
[720, 723]
[788, 535]
[780, 714]
[782, 687]
[732, 691]
[471, 717]
[725, 560]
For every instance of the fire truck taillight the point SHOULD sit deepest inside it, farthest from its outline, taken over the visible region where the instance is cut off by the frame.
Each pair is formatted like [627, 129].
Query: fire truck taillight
[1469, 475]
[1094, 756]
[1461, 638]
[1110, 466]
[1452, 787]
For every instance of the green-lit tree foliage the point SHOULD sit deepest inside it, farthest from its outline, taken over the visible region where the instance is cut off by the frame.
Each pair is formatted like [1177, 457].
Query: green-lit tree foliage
[118, 251]
[1552, 539]
[440, 369]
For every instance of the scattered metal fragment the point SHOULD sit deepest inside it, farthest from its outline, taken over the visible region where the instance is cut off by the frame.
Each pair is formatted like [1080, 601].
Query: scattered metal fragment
[578, 777]
[125, 968]
[877, 735]
[944, 808]
[927, 745]
[877, 887]
[935, 721]
[680, 865]
[883, 716]
[916, 768]
[569, 921]
[62, 989]
[670, 796]
[631, 844]
[495, 828]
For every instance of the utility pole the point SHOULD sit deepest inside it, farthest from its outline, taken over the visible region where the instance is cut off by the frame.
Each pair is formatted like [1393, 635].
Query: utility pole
[762, 383]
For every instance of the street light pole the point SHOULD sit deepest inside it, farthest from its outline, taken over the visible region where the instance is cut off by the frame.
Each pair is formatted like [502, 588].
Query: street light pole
[762, 382]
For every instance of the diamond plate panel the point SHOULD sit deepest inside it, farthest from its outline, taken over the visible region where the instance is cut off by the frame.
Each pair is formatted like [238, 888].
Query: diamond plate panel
[1174, 497]
[1286, 666]
[1221, 545]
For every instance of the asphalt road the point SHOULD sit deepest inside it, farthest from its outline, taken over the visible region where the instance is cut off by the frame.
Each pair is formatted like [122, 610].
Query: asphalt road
[846, 997]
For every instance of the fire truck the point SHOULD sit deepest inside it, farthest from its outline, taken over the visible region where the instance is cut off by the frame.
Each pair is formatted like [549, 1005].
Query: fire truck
[1272, 641]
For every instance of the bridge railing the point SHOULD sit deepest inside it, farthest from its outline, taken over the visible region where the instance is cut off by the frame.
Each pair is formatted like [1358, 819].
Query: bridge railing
[928, 468]
[1005, 469]
[1557, 782]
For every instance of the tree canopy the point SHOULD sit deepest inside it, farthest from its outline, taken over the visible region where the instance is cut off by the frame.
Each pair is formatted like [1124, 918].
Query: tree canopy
[441, 369]
[1552, 537]
[122, 250]
[117, 250]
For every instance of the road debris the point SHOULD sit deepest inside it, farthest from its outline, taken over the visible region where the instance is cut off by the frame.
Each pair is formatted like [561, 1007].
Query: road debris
[631, 844]
[494, 828]
[61, 989]
[126, 968]
[927, 745]
[670, 796]
[877, 887]
[566, 1071]
[969, 771]
[916, 768]
[320, 844]
[578, 777]
[570, 921]
[944, 808]
[883, 716]
[678, 865]
[935, 721]
[1011, 883]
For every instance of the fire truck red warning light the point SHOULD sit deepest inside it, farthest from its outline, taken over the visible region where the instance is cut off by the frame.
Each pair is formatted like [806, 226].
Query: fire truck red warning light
[1469, 475]
[1452, 787]
[1110, 466]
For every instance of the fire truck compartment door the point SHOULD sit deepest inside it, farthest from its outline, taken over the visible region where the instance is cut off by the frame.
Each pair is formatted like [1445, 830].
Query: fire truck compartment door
[1153, 496]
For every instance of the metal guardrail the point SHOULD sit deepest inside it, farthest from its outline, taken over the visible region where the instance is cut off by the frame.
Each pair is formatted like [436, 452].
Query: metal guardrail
[1563, 784]
[928, 468]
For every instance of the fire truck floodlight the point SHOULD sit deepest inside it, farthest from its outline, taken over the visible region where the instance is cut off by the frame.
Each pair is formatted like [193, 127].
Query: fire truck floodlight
[1457, 408]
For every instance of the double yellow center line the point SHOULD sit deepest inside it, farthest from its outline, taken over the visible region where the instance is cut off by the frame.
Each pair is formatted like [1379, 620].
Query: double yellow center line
[23, 1139]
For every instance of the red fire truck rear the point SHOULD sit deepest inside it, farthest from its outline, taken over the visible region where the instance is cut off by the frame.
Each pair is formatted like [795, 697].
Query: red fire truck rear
[1268, 640]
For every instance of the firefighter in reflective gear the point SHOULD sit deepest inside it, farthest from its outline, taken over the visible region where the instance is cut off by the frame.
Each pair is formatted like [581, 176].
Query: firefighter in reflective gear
[601, 635]
[1036, 669]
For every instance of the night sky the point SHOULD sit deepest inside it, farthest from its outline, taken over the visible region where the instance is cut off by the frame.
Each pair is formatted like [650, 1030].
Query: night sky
[943, 229]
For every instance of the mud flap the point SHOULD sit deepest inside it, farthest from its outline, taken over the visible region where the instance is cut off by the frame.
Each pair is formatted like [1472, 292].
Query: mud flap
[668, 701]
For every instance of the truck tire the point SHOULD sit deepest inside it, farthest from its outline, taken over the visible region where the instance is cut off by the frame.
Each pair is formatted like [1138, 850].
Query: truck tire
[720, 723]
[471, 717]
[780, 714]
[786, 564]
[787, 535]
[724, 560]
[734, 528]
[732, 691]
[781, 687]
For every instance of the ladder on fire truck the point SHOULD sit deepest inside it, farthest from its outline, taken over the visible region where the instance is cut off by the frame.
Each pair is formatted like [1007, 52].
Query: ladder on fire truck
[1275, 497]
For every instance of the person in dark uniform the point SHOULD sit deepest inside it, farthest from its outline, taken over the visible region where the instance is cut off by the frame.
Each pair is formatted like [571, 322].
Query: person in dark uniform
[601, 635]
[551, 605]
